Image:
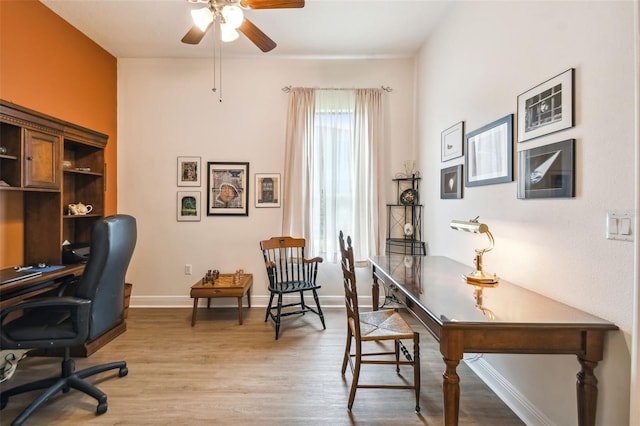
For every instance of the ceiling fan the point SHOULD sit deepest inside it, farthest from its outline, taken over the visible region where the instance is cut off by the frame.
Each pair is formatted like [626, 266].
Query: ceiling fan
[229, 14]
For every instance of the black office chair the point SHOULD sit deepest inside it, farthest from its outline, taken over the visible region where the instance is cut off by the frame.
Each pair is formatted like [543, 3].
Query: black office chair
[67, 321]
[289, 272]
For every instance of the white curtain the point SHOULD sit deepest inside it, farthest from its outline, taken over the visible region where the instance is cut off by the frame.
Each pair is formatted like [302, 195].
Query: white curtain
[331, 180]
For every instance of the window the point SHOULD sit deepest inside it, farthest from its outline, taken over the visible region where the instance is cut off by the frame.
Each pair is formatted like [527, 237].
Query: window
[332, 145]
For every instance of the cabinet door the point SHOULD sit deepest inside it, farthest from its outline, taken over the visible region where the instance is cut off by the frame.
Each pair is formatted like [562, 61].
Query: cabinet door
[41, 160]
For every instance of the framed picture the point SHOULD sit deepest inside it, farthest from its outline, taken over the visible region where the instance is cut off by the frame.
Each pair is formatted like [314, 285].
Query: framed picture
[268, 190]
[451, 140]
[188, 206]
[451, 182]
[189, 171]
[547, 108]
[228, 189]
[489, 151]
[547, 171]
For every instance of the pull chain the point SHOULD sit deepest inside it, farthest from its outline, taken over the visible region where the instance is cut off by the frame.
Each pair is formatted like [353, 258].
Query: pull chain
[217, 42]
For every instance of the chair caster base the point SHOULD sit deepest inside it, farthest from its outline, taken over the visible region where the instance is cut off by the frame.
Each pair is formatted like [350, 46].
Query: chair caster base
[101, 408]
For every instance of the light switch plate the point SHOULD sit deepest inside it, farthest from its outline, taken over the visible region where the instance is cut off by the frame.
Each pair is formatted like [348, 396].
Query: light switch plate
[620, 226]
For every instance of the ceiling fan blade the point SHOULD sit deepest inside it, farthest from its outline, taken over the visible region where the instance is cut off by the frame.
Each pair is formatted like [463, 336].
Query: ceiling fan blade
[272, 4]
[258, 38]
[194, 35]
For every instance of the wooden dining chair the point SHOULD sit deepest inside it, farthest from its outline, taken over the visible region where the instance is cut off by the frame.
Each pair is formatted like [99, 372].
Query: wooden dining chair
[289, 272]
[375, 326]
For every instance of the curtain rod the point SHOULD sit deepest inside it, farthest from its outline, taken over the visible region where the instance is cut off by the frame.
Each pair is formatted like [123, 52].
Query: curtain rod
[287, 89]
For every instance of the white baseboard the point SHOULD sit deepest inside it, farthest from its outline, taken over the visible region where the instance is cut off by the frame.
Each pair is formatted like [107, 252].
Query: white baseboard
[517, 402]
[257, 301]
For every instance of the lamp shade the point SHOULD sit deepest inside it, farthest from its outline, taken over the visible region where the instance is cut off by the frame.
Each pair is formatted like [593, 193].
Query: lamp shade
[232, 16]
[469, 226]
[202, 18]
[228, 33]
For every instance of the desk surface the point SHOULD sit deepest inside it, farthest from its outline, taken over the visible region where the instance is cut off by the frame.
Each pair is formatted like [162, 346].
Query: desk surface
[13, 292]
[436, 284]
[509, 319]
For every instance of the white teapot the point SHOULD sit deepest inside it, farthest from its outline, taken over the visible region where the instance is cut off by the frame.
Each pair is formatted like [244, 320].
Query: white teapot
[80, 209]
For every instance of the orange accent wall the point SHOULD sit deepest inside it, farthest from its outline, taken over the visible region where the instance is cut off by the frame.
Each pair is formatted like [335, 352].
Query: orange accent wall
[49, 66]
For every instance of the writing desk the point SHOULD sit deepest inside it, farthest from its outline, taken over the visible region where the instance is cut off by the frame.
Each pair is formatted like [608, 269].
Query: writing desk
[509, 319]
[16, 291]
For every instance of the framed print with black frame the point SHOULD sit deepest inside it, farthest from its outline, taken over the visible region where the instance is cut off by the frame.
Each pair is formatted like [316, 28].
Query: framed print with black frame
[547, 171]
[189, 171]
[268, 190]
[547, 108]
[227, 189]
[489, 157]
[188, 206]
[451, 182]
[451, 140]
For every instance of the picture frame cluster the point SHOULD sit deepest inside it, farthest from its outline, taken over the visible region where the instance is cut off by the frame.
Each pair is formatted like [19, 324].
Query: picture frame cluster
[227, 186]
[546, 171]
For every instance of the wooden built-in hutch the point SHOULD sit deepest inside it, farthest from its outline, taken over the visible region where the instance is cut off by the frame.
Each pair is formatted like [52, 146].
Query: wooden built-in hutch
[53, 163]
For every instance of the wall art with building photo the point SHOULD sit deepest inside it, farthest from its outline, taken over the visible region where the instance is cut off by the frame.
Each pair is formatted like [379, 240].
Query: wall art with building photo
[227, 189]
[451, 182]
[188, 206]
[547, 171]
[268, 190]
[489, 153]
[189, 171]
[547, 108]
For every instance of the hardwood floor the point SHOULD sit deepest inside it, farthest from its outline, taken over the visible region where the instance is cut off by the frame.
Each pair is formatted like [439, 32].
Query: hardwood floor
[221, 373]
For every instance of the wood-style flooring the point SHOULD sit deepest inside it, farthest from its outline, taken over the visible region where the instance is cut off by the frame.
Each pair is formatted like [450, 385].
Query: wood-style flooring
[222, 373]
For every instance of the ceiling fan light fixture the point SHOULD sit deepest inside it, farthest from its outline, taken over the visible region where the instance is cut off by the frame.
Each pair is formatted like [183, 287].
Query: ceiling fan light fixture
[202, 18]
[233, 16]
[228, 33]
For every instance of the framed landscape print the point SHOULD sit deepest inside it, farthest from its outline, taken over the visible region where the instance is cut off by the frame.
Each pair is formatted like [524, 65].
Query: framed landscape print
[489, 157]
[547, 108]
[188, 206]
[227, 189]
[189, 171]
[268, 190]
[547, 171]
[452, 141]
[451, 182]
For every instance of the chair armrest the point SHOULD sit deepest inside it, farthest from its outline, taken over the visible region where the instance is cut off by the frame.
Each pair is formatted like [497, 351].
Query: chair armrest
[83, 305]
[316, 259]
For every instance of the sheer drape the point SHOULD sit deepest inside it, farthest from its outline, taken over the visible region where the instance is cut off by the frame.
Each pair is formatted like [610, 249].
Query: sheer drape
[331, 180]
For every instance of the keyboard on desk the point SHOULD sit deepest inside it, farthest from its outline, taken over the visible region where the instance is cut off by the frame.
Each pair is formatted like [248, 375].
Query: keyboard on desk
[11, 275]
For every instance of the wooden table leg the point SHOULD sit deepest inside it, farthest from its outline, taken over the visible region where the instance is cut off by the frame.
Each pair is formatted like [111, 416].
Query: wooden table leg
[249, 297]
[240, 310]
[451, 392]
[587, 393]
[194, 314]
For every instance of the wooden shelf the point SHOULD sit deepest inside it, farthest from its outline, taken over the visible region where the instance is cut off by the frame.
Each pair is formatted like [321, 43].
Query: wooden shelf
[40, 145]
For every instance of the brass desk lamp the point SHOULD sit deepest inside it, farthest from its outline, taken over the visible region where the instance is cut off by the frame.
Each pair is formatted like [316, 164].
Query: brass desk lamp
[478, 277]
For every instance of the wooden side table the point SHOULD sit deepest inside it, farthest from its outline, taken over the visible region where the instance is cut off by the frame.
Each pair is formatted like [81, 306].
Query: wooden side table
[224, 286]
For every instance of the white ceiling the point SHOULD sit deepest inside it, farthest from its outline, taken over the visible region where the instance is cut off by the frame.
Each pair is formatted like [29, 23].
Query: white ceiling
[323, 28]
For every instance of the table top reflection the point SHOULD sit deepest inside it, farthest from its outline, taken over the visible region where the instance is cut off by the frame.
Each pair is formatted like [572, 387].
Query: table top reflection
[437, 286]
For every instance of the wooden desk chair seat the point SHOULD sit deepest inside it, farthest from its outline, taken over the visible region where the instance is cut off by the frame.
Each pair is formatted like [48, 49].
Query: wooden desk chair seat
[290, 272]
[374, 326]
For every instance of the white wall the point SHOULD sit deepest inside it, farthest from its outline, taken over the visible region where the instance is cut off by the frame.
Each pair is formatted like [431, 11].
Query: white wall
[483, 56]
[166, 109]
